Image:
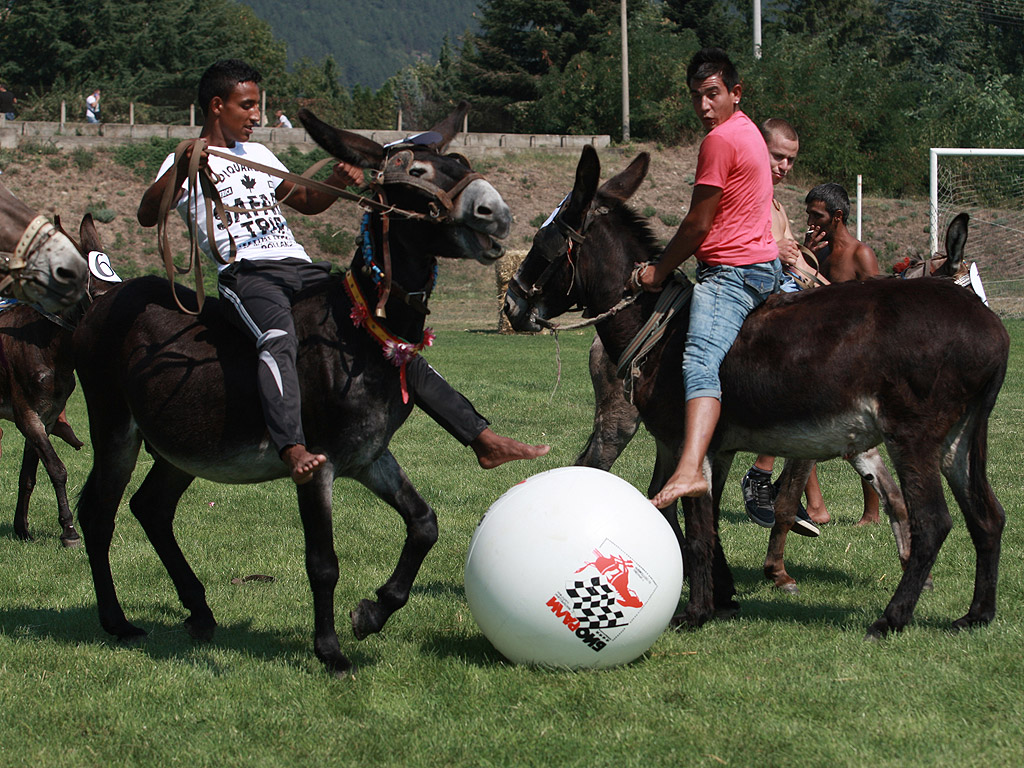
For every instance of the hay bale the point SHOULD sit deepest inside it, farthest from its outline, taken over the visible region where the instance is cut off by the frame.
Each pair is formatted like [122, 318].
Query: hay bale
[504, 269]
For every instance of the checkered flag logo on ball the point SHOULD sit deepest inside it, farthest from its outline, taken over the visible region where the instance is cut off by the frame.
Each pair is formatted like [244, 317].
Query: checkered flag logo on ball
[593, 602]
[601, 597]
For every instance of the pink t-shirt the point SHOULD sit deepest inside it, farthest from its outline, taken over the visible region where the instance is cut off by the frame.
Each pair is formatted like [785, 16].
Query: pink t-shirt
[733, 157]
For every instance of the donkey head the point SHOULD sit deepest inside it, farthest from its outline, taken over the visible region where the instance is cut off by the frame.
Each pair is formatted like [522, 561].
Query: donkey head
[572, 256]
[40, 264]
[101, 274]
[442, 205]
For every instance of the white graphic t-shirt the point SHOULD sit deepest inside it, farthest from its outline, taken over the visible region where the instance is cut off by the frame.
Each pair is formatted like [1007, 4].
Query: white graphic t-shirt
[259, 234]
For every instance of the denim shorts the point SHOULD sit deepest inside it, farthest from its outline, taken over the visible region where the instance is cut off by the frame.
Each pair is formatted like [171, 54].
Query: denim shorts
[722, 299]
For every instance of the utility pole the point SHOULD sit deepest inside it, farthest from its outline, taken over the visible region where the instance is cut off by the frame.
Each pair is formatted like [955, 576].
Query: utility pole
[757, 29]
[625, 74]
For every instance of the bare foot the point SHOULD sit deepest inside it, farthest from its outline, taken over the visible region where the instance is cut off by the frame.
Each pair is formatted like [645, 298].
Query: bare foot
[302, 463]
[818, 515]
[63, 430]
[868, 519]
[492, 450]
[679, 486]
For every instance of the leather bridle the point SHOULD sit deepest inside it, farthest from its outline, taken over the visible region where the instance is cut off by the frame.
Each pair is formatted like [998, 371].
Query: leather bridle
[36, 235]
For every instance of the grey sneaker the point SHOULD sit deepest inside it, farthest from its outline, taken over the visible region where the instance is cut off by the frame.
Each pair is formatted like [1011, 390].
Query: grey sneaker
[759, 497]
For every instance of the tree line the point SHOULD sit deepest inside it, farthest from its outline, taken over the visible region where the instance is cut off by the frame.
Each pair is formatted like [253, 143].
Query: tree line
[869, 84]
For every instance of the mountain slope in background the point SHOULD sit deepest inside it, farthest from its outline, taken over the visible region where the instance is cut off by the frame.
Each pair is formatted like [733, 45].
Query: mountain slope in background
[370, 40]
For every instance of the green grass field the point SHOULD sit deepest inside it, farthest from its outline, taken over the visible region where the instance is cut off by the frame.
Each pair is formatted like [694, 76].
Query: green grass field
[789, 682]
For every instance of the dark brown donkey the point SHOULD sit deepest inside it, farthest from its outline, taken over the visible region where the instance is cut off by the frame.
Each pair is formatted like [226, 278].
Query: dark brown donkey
[36, 379]
[913, 364]
[187, 387]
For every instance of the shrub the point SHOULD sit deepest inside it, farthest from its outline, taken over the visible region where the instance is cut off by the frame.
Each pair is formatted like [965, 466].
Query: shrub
[145, 158]
[83, 158]
[101, 212]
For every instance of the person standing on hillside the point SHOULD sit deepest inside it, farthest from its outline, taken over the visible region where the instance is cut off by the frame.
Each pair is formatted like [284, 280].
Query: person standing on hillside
[92, 107]
[7, 102]
[728, 229]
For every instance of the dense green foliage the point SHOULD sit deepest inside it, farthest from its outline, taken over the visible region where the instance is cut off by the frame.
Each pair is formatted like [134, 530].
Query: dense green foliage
[369, 41]
[134, 49]
[870, 85]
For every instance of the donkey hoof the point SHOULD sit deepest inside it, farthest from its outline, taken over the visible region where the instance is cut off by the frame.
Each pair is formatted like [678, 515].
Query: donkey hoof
[70, 540]
[689, 619]
[878, 630]
[200, 629]
[790, 588]
[968, 621]
[23, 535]
[727, 612]
[366, 619]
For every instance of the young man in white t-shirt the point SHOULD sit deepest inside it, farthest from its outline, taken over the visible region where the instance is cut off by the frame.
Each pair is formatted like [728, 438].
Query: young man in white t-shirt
[271, 267]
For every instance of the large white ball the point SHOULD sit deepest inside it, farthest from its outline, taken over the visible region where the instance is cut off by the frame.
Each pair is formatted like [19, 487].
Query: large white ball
[573, 567]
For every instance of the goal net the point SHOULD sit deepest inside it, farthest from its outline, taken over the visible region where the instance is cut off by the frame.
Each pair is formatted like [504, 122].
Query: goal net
[988, 184]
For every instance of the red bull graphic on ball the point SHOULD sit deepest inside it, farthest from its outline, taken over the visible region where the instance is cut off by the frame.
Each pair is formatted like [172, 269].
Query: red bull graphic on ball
[602, 596]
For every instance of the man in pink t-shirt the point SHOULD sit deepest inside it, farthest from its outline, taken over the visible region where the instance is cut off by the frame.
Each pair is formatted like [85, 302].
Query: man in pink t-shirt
[728, 229]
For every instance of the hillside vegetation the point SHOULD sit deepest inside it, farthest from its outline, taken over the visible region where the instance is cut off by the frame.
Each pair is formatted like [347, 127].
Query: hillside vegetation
[369, 41]
[110, 184]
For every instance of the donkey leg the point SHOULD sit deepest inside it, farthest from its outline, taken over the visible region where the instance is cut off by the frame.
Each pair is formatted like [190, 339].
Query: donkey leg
[153, 505]
[58, 474]
[662, 469]
[116, 450]
[386, 479]
[711, 585]
[792, 482]
[322, 567]
[616, 420]
[930, 523]
[964, 467]
[38, 446]
[722, 582]
[26, 484]
[871, 467]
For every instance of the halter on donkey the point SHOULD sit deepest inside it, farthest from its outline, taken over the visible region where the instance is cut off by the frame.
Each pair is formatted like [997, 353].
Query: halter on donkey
[38, 264]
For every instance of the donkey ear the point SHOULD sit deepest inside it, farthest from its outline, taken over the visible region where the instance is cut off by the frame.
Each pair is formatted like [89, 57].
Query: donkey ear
[59, 228]
[956, 239]
[588, 173]
[622, 186]
[344, 145]
[450, 126]
[90, 237]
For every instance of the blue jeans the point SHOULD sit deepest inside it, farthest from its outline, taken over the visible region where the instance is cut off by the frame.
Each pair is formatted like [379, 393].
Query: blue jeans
[722, 299]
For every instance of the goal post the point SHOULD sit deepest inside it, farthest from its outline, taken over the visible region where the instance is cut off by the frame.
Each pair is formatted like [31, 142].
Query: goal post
[988, 184]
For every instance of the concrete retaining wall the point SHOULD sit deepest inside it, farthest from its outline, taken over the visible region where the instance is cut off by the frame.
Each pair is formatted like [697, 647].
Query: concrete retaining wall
[89, 135]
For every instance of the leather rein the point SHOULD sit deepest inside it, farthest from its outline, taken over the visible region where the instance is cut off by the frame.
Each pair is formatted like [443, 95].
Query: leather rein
[555, 259]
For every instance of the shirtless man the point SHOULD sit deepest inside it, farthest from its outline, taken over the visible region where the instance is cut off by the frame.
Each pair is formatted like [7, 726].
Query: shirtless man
[842, 257]
[840, 254]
